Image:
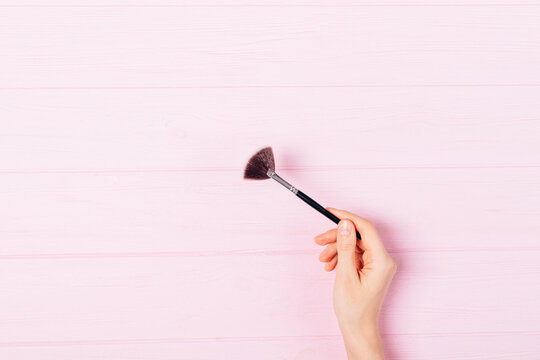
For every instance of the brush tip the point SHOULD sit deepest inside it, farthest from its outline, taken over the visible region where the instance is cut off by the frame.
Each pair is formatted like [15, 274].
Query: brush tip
[259, 164]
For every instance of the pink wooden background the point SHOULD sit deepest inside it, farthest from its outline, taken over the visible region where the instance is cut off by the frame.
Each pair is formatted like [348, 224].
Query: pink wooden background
[127, 231]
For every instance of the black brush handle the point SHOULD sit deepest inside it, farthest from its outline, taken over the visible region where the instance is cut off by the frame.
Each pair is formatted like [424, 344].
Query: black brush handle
[321, 209]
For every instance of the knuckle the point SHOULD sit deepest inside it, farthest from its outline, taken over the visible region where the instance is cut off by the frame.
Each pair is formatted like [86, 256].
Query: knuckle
[389, 265]
[361, 223]
[367, 224]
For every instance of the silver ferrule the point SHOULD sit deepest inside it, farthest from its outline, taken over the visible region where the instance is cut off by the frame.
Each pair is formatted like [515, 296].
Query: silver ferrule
[272, 174]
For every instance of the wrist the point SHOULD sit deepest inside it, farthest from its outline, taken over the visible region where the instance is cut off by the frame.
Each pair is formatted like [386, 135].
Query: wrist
[362, 341]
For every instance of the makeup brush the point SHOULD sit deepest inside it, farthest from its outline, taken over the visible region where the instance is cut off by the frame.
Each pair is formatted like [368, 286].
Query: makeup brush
[262, 166]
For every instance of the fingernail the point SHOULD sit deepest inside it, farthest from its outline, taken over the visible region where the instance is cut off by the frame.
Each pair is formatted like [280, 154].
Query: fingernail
[344, 228]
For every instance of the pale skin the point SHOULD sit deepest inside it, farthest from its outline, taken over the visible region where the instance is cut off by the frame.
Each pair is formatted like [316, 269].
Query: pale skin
[363, 273]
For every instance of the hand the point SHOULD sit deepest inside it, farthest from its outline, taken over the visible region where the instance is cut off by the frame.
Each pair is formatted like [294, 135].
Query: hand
[363, 273]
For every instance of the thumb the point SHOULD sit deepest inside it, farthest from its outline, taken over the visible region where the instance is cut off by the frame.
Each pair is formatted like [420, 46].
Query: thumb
[346, 248]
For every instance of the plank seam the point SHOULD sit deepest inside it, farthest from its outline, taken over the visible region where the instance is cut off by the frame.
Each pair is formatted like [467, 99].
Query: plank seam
[162, 254]
[266, 5]
[306, 168]
[319, 86]
[98, 342]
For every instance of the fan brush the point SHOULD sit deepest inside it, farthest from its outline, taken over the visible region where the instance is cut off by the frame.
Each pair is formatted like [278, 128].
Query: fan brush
[262, 166]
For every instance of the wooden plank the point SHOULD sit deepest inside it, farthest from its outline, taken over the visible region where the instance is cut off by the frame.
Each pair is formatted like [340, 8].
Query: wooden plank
[437, 293]
[505, 346]
[171, 213]
[187, 129]
[103, 47]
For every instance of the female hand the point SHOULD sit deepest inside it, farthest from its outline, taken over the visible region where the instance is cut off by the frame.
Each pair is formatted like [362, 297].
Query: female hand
[363, 272]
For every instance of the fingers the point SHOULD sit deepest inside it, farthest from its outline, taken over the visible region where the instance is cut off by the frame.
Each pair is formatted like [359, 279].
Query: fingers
[327, 237]
[328, 253]
[346, 249]
[370, 238]
[331, 264]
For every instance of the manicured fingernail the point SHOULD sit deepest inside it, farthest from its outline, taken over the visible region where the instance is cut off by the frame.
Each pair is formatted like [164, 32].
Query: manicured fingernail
[327, 267]
[344, 228]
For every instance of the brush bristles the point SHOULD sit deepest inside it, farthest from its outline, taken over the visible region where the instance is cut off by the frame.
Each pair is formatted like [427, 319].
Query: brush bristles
[259, 164]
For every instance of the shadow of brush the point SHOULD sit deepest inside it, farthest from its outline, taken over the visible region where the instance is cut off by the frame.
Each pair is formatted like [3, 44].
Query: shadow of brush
[391, 240]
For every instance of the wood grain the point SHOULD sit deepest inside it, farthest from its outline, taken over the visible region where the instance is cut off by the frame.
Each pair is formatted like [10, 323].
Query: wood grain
[162, 213]
[218, 129]
[73, 48]
[446, 347]
[196, 297]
